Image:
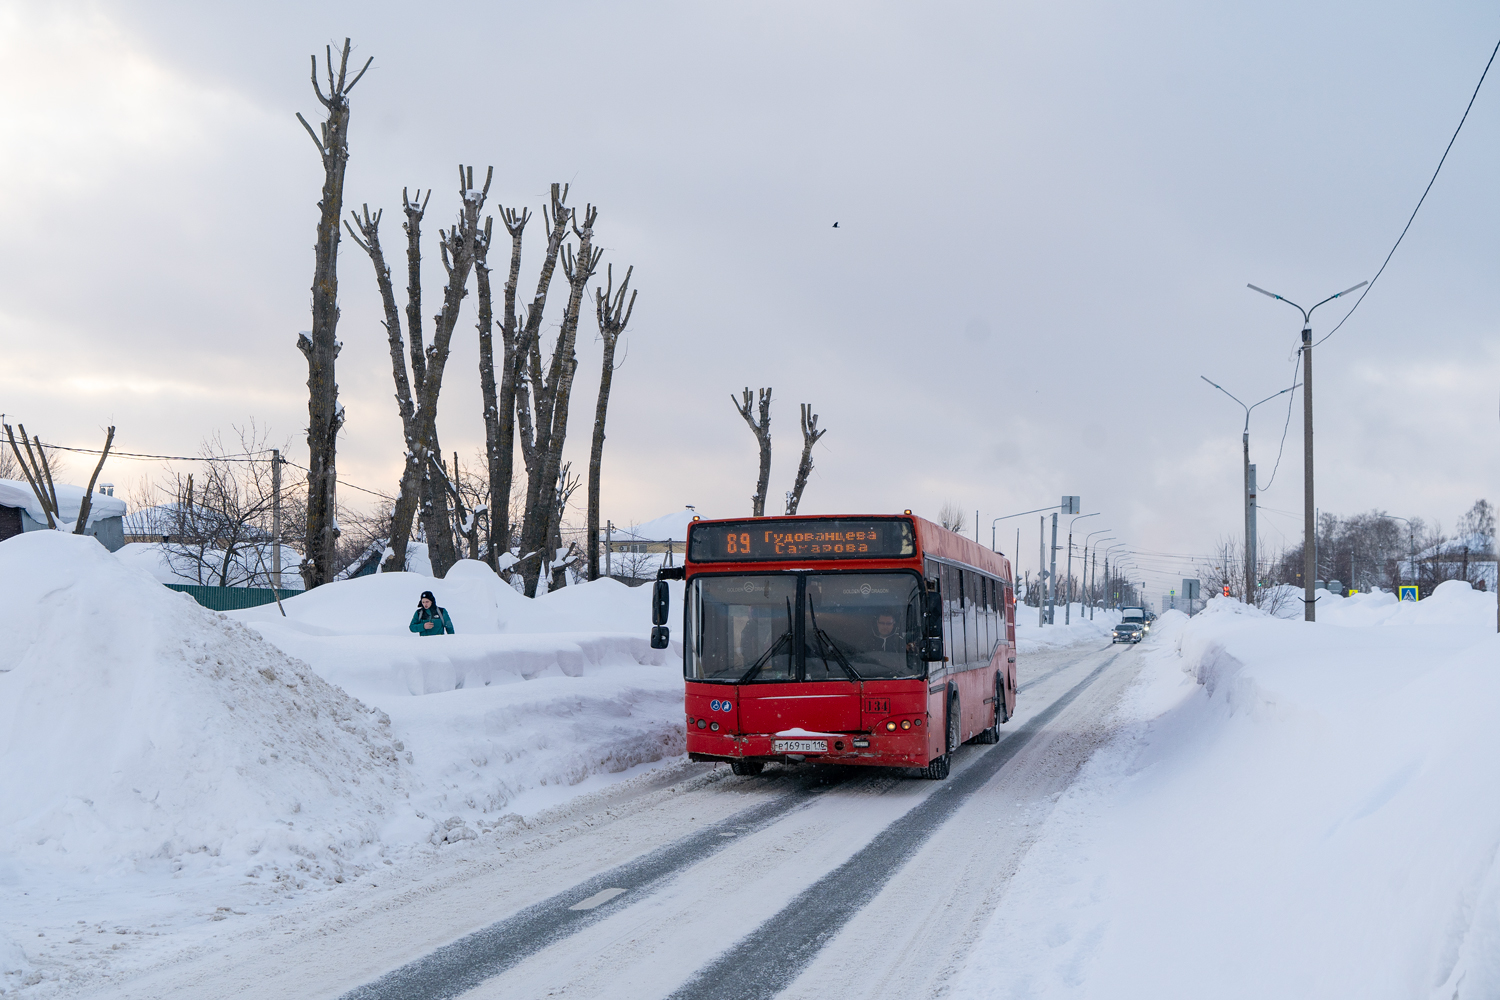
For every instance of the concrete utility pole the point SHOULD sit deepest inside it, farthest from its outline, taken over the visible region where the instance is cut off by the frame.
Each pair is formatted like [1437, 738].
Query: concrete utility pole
[275, 519]
[1041, 569]
[1309, 512]
[1068, 607]
[1052, 590]
[1249, 497]
[1253, 570]
[609, 545]
[1090, 585]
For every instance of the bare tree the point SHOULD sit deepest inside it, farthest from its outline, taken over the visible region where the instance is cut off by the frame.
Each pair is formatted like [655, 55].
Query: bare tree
[9, 467]
[460, 247]
[951, 516]
[810, 436]
[217, 525]
[325, 415]
[563, 559]
[614, 314]
[762, 432]
[551, 402]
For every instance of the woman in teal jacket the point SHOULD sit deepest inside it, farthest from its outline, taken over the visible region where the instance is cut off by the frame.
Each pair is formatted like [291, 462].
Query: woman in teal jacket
[430, 619]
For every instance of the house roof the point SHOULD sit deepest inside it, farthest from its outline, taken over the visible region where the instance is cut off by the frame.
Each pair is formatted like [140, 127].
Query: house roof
[69, 499]
[667, 528]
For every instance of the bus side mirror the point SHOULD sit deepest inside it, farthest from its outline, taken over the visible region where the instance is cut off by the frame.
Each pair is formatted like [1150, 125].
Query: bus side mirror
[660, 636]
[661, 604]
[932, 616]
[932, 650]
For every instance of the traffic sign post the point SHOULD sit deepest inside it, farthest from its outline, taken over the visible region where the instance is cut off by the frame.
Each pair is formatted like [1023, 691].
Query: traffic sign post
[1409, 593]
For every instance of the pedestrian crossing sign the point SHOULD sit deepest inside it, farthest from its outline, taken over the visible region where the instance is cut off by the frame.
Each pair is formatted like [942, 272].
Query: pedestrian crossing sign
[1409, 593]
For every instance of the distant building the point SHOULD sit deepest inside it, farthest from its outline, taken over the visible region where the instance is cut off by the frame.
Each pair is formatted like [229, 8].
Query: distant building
[21, 512]
[634, 554]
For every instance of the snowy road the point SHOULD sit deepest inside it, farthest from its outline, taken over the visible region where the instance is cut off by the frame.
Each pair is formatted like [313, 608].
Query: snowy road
[799, 882]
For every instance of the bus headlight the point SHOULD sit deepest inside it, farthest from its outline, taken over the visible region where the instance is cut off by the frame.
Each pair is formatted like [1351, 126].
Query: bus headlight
[890, 727]
[905, 723]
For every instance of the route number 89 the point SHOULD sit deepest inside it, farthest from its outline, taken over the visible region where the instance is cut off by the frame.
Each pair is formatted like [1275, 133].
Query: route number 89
[739, 544]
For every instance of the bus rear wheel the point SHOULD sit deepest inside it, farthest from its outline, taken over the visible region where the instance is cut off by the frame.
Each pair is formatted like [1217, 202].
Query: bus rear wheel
[747, 768]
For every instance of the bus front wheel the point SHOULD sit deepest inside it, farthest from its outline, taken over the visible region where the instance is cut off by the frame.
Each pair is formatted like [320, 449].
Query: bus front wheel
[747, 768]
[938, 769]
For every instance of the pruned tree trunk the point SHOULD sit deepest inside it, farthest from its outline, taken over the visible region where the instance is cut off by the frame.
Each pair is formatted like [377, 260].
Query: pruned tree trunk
[325, 415]
[38, 476]
[460, 247]
[810, 436]
[762, 432]
[412, 473]
[554, 397]
[88, 495]
[614, 314]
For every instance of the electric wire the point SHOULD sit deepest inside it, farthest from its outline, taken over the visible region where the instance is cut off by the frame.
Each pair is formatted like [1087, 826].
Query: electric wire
[245, 457]
[1290, 399]
[1370, 287]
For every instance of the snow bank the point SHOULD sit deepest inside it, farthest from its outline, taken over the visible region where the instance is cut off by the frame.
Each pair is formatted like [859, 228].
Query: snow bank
[1033, 638]
[530, 697]
[1290, 810]
[136, 726]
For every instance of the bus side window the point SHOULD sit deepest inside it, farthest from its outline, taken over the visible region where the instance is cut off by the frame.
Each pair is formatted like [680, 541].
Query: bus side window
[953, 625]
[971, 618]
[990, 632]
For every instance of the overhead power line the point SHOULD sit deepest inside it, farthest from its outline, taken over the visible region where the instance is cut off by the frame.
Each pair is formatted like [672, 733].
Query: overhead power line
[246, 457]
[1371, 286]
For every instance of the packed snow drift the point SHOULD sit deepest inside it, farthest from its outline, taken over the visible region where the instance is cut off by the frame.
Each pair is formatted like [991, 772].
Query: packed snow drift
[136, 725]
[1289, 810]
[527, 699]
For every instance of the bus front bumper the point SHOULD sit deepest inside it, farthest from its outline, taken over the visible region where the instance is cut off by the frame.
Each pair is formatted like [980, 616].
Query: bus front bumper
[898, 749]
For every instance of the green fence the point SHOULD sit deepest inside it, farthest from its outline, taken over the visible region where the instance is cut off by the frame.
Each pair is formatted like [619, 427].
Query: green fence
[229, 598]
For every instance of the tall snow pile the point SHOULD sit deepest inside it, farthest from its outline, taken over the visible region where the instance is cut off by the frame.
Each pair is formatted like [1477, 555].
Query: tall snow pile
[1290, 809]
[137, 726]
[528, 700]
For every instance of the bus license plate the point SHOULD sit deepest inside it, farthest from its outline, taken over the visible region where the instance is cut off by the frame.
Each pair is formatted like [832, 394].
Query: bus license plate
[799, 746]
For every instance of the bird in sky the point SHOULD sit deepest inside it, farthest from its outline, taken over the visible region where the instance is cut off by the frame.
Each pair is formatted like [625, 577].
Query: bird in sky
[835, 225]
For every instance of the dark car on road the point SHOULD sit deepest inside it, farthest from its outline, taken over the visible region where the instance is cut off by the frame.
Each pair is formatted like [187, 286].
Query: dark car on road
[1129, 632]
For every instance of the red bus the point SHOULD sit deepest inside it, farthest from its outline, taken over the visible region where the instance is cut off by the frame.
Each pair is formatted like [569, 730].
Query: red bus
[847, 639]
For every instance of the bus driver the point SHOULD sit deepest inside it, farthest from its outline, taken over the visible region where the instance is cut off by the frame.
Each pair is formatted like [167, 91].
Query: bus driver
[887, 639]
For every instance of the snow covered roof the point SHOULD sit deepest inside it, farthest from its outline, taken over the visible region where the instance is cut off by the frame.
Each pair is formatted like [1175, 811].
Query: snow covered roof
[69, 499]
[669, 527]
[1479, 546]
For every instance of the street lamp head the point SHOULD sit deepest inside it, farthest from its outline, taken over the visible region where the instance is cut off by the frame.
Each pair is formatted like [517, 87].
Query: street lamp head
[1264, 292]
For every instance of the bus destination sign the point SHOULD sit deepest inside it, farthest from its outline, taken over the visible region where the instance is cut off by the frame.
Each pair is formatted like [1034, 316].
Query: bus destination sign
[825, 538]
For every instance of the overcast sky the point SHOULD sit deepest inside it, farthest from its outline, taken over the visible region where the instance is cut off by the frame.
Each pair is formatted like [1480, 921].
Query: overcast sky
[1047, 217]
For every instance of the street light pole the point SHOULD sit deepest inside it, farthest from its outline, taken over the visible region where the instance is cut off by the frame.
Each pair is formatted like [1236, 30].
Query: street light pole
[1249, 496]
[1094, 582]
[1309, 512]
[1108, 577]
[1068, 608]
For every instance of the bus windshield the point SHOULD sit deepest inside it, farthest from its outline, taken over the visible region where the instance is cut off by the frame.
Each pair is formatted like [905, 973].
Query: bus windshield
[852, 626]
[867, 623]
[741, 628]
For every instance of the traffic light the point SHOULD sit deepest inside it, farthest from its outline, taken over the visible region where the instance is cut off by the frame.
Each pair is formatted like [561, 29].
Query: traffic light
[1226, 590]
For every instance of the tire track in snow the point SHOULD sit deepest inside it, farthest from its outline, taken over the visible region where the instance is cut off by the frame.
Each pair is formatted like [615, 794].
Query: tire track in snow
[471, 960]
[767, 960]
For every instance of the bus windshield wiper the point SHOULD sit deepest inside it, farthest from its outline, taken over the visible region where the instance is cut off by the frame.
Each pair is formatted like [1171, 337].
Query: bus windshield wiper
[785, 637]
[826, 641]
